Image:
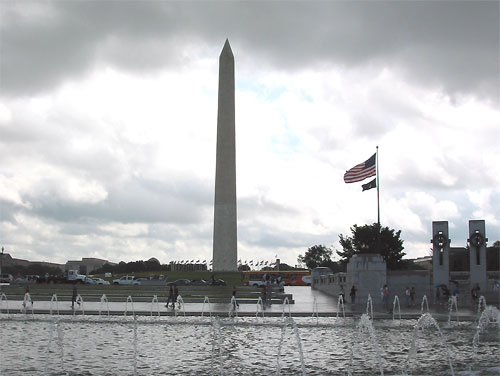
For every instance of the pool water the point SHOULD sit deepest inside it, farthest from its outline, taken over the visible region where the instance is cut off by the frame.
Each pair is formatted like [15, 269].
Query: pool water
[238, 346]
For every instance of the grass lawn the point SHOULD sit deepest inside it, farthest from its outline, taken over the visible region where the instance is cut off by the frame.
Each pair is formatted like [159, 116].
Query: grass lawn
[231, 278]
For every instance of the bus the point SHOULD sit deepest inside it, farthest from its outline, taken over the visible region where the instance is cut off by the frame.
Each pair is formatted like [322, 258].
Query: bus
[288, 278]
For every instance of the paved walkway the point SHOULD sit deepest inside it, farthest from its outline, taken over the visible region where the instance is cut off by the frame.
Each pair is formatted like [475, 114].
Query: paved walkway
[308, 302]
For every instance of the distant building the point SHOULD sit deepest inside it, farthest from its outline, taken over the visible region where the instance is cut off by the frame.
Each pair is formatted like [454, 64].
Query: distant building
[87, 265]
[424, 262]
[8, 260]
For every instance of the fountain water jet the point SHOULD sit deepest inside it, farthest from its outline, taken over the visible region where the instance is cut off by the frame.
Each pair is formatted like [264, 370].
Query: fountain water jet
[206, 300]
[2, 298]
[315, 310]
[340, 302]
[54, 297]
[180, 301]
[424, 300]
[233, 310]
[153, 302]
[135, 344]
[365, 325]
[57, 325]
[260, 305]
[490, 314]
[27, 301]
[217, 336]
[290, 322]
[396, 299]
[452, 302]
[286, 303]
[79, 303]
[129, 299]
[51, 331]
[104, 299]
[425, 321]
[481, 305]
[369, 304]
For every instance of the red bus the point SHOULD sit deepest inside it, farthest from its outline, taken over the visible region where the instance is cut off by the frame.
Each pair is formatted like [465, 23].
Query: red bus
[288, 278]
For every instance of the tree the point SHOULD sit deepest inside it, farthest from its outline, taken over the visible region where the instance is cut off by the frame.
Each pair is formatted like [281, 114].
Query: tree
[243, 268]
[373, 239]
[317, 255]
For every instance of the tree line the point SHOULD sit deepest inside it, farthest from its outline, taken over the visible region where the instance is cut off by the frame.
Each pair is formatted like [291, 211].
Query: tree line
[386, 242]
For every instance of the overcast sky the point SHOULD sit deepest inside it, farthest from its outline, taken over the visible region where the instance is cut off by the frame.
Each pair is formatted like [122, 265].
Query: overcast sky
[108, 117]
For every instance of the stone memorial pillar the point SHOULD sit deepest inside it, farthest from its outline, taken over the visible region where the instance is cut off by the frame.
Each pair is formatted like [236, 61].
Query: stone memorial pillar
[477, 254]
[368, 272]
[440, 253]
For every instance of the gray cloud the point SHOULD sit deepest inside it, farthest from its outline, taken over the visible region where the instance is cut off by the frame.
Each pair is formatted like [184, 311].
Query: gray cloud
[447, 44]
[135, 200]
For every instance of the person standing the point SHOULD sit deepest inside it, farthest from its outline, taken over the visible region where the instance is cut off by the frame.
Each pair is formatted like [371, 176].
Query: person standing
[176, 295]
[446, 294]
[170, 296]
[456, 290]
[412, 296]
[407, 295]
[233, 299]
[268, 292]
[74, 296]
[27, 291]
[352, 294]
[263, 297]
[278, 280]
[385, 297]
[438, 297]
[474, 295]
[342, 293]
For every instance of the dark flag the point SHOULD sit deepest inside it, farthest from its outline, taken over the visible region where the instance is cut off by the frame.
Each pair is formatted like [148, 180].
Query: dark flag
[361, 171]
[370, 185]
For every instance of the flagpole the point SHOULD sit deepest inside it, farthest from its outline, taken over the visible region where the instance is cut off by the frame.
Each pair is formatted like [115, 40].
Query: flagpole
[378, 202]
[378, 191]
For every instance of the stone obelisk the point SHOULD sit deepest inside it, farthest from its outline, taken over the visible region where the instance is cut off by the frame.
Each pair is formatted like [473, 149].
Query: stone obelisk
[225, 230]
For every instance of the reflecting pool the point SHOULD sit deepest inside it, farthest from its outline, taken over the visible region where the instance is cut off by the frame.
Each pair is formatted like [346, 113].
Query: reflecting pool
[84, 345]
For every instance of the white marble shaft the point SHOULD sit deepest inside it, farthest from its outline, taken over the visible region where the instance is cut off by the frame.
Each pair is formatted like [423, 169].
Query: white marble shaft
[225, 230]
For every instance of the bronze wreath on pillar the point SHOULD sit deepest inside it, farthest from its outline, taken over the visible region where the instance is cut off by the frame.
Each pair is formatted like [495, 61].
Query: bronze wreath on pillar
[439, 240]
[476, 239]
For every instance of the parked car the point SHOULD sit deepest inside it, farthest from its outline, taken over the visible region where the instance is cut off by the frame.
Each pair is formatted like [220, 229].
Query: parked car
[125, 280]
[138, 281]
[218, 282]
[180, 282]
[100, 281]
[88, 281]
[6, 278]
[198, 282]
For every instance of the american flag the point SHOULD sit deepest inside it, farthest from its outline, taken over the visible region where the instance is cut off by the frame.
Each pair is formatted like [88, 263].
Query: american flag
[361, 171]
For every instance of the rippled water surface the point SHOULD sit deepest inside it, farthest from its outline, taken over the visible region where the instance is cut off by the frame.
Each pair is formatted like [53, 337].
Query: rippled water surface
[201, 346]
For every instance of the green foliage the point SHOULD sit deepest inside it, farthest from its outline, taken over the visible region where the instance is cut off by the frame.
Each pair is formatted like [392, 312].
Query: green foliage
[122, 267]
[493, 257]
[283, 267]
[317, 255]
[33, 269]
[373, 239]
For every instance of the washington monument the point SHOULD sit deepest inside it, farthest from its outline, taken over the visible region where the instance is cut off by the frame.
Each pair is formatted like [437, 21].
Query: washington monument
[225, 253]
